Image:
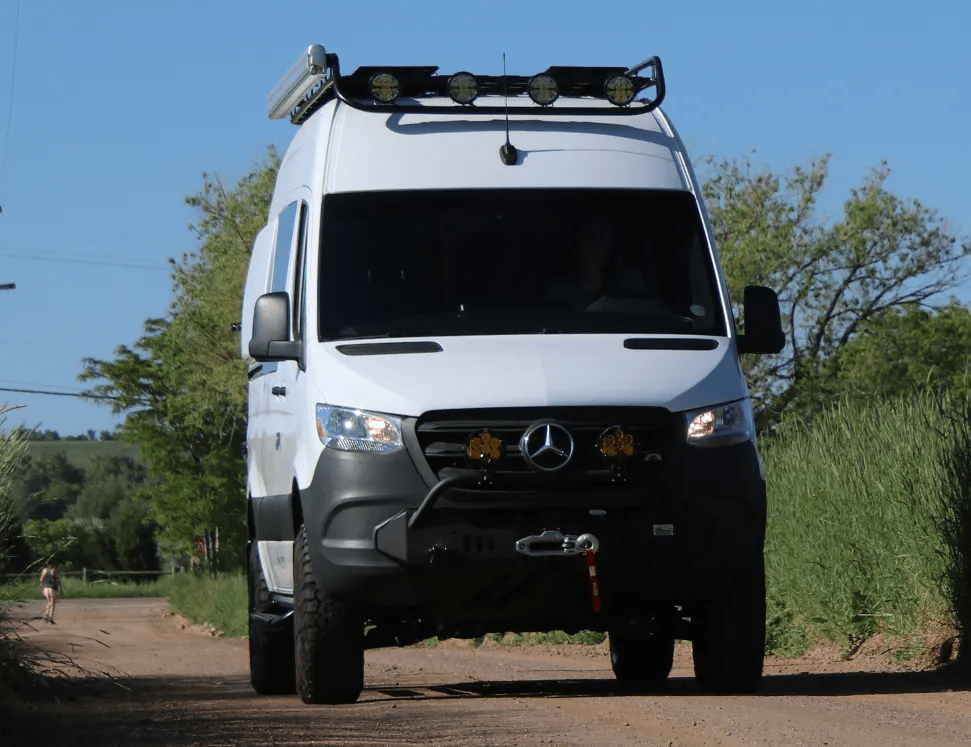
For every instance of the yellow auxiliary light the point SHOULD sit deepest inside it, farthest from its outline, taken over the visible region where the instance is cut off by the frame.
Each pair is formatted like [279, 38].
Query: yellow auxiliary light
[616, 444]
[543, 89]
[619, 90]
[384, 87]
[484, 447]
[463, 88]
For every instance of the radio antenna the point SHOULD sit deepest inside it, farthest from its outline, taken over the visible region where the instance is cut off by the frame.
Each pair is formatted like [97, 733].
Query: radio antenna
[507, 152]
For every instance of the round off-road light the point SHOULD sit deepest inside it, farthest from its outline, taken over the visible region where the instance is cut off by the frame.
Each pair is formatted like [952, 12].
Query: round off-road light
[484, 447]
[543, 89]
[615, 443]
[384, 87]
[463, 88]
[619, 90]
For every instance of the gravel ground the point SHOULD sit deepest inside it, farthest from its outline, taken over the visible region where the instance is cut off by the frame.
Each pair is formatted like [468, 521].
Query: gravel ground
[130, 672]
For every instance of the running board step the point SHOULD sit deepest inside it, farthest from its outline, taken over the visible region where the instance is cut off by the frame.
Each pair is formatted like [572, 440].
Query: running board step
[272, 620]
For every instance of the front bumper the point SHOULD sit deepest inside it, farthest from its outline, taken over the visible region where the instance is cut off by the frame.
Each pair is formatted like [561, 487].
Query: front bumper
[692, 533]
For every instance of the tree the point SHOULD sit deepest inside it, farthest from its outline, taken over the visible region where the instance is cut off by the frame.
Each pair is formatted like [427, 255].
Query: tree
[107, 482]
[906, 348]
[45, 488]
[833, 278]
[77, 543]
[182, 386]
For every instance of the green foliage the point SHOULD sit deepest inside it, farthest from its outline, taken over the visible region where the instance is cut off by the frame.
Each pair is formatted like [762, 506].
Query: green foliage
[182, 386]
[833, 278]
[853, 545]
[220, 603]
[90, 517]
[905, 348]
[74, 543]
[45, 487]
[12, 449]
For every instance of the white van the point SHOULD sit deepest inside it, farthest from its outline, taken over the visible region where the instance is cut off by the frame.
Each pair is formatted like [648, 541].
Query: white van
[495, 381]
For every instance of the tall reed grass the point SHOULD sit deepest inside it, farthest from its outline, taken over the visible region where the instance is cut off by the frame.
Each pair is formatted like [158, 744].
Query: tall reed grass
[855, 501]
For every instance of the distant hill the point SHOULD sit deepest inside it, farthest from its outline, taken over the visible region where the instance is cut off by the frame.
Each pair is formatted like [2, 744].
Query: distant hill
[81, 453]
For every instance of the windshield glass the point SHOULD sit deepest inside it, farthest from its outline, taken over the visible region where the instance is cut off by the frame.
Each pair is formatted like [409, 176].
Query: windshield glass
[486, 262]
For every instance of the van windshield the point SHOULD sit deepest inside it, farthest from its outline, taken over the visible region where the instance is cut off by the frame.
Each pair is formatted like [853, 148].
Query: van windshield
[515, 261]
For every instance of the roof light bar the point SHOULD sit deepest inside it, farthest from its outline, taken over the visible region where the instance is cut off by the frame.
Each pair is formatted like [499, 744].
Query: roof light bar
[315, 79]
[307, 72]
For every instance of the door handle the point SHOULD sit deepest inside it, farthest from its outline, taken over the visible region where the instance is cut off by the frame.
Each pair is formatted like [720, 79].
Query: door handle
[281, 390]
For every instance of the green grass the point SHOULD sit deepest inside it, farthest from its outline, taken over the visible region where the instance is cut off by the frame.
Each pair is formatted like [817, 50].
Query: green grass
[852, 546]
[220, 602]
[29, 588]
[553, 637]
[81, 453]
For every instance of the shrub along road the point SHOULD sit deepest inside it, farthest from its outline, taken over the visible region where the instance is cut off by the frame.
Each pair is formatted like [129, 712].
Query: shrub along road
[151, 679]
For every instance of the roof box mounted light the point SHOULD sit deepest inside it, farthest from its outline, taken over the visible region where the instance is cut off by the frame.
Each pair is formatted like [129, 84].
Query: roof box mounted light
[619, 90]
[303, 83]
[463, 88]
[543, 89]
[384, 87]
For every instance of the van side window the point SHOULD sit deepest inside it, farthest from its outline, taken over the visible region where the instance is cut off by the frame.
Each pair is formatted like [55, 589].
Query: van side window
[284, 243]
[281, 260]
[299, 312]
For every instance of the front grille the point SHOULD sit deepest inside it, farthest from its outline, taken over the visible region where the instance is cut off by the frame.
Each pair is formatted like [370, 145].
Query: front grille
[443, 436]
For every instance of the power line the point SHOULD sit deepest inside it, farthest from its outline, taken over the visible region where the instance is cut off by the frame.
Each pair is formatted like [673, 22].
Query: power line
[13, 79]
[57, 394]
[67, 259]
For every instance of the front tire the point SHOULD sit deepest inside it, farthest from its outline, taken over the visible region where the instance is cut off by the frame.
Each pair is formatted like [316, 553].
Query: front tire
[270, 651]
[328, 638]
[729, 636]
[644, 658]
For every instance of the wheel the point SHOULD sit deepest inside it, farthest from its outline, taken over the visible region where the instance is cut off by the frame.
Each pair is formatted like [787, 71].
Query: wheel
[328, 639]
[270, 651]
[644, 658]
[729, 637]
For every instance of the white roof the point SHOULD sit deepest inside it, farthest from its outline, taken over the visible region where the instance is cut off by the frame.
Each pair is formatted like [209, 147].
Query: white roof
[382, 150]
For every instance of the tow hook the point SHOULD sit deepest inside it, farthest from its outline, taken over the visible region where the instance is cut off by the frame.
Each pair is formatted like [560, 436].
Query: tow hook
[551, 543]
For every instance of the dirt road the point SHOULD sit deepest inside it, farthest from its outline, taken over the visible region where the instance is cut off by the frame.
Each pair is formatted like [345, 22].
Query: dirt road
[156, 681]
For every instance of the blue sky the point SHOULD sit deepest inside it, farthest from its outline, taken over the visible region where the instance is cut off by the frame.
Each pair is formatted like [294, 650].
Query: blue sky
[118, 107]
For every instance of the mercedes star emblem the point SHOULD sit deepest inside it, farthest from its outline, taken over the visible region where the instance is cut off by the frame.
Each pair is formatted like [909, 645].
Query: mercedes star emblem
[546, 447]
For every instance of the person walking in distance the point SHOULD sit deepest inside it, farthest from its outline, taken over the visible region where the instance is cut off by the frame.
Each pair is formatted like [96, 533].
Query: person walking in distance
[50, 584]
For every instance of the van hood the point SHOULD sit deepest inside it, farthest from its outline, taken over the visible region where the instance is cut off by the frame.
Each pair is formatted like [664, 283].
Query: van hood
[526, 370]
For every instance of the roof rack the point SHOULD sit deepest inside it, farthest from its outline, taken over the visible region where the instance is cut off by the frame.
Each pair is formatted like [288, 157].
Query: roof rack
[315, 79]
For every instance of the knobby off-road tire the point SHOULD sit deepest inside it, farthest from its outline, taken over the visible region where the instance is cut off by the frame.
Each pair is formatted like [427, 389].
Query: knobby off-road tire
[328, 639]
[729, 636]
[270, 651]
[644, 659]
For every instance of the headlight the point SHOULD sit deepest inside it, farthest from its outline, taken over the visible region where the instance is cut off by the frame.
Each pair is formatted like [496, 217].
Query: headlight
[353, 430]
[721, 426]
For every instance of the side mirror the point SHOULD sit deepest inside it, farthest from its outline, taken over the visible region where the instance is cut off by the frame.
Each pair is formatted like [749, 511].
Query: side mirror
[271, 330]
[763, 322]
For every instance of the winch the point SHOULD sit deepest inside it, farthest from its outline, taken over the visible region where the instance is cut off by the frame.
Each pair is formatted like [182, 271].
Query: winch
[552, 542]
